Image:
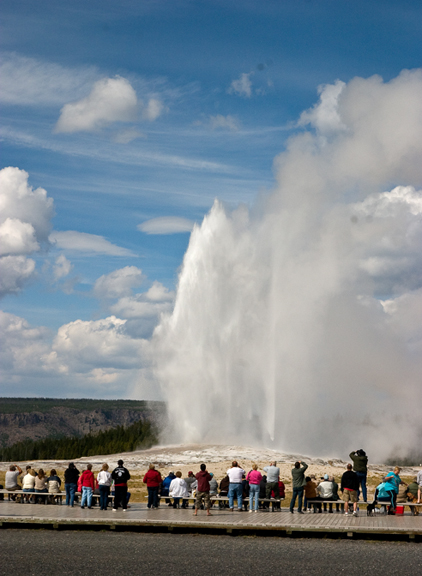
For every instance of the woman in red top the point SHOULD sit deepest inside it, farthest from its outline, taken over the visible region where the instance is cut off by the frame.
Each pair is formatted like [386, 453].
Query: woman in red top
[88, 485]
[153, 480]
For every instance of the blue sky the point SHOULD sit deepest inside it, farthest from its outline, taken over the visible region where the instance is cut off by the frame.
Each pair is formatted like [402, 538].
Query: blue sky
[134, 116]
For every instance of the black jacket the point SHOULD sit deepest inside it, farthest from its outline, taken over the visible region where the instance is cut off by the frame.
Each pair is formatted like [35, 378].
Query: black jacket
[349, 480]
[120, 475]
[71, 476]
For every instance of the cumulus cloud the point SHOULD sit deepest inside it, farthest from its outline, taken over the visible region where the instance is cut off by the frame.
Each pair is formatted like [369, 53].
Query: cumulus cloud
[62, 267]
[28, 81]
[242, 86]
[324, 116]
[118, 283]
[306, 302]
[25, 223]
[153, 109]
[111, 100]
[90, 244]
[166, 225]
[144, 310]
[224, 122]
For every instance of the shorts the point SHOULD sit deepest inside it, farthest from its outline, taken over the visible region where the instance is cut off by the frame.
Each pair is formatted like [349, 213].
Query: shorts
[203, 496]
[350, 496]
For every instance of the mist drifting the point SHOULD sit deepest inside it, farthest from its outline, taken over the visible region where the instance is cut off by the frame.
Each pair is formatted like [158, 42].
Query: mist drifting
[297, 323]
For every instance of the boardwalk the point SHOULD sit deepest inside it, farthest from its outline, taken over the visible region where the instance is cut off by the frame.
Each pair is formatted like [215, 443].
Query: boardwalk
[166, 519]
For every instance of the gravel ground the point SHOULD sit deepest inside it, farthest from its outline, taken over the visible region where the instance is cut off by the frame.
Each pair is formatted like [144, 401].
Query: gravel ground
[109, 554]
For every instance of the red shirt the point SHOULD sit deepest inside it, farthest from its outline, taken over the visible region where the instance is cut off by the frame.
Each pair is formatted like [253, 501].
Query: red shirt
[87, 479]
[152, 479]
[203, 478]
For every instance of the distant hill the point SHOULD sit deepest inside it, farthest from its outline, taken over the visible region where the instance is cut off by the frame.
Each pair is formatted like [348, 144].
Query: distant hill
[39, 418]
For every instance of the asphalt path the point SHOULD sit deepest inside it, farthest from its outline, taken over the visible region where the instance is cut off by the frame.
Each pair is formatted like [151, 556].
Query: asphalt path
[46, 552]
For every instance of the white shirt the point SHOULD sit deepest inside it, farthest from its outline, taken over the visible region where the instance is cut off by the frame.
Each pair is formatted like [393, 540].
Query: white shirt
[178, 488]
[235, 475]
[104, 478]
[28, 482]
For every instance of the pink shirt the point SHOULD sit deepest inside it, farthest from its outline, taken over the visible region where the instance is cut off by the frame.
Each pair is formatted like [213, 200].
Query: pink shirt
[254, 477]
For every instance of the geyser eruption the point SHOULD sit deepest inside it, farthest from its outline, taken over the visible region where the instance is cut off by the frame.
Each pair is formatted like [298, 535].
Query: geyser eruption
[298, 323]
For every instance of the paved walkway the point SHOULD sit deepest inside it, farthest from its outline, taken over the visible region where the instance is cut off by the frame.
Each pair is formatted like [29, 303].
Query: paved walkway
[221, 521]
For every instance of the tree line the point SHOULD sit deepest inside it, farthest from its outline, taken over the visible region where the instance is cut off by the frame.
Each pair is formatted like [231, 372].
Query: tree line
[141, 434]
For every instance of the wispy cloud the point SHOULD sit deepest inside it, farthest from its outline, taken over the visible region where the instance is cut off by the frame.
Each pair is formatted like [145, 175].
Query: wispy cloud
[27, 81]
[166, 225]
[224, 123]
[90, 244]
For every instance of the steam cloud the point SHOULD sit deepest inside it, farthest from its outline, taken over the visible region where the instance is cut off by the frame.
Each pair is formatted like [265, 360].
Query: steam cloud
[294, 323]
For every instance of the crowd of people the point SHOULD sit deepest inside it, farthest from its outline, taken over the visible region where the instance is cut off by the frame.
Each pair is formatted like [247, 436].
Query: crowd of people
[253, 490]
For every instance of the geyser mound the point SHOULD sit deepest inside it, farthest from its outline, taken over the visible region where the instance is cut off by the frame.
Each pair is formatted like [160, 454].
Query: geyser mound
[294, 323]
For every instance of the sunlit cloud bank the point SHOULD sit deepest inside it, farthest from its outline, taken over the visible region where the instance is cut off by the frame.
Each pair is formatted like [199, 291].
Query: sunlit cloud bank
[294, 322]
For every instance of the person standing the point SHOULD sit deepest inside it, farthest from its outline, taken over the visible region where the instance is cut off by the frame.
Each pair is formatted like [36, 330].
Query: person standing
[235, 474]
[254, 478]
[153, 480]
[360, 466]
[120, 475]
[299, 482]
[349, 487]
[273, 475]
[87, 485]
[203, 490]
[104, 483]
[71, 475]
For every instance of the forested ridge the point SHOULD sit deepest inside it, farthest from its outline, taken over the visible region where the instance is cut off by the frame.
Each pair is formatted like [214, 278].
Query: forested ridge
[141, 434]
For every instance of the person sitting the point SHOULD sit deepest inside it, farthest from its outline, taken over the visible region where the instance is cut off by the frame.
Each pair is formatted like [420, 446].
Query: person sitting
[384, 495]
[165, 486]
[402, 493]
[310, 491]
[54, 483]
[178, 489]
[393, 481]
[336, 496]
[412, 495]
[28, 483]
[325, 492]
[213, 485]
[224, 490]
[263, 493]
[11, 479]
[40, 486]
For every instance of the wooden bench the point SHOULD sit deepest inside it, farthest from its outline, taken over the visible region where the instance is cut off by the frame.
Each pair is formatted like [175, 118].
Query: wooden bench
[412, 505]
[223, 500]
[45, 496]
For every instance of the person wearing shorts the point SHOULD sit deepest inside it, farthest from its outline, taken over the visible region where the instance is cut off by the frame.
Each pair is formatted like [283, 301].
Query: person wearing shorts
[203, 490]
[349, 489]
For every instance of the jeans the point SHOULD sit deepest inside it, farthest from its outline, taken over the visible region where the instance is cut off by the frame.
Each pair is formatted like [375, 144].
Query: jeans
[235, 492]
[253, 496]
[152, 497]
[297, 492]
[104, 492]
[86, 496]
[70, 493]
[362, 481]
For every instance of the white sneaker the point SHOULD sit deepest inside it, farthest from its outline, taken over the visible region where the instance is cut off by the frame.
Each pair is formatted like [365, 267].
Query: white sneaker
[355, 513]
[346, 513]
[114, 509]
[250, 511]
[124, 510]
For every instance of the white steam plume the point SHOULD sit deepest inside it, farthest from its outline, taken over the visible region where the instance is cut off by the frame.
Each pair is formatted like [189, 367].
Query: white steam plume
[284, 329]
